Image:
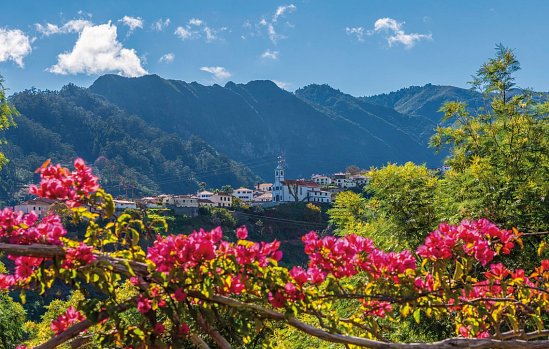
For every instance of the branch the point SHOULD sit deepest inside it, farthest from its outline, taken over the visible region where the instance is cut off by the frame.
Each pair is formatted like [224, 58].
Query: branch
[66, 335]
[451, 343]
[120, 266]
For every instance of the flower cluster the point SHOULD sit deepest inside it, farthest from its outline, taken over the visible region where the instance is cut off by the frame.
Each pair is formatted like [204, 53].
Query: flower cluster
[24, 229]
[81, 255]
[65, 320]
[59, 183]
[480, 239]
[349, 255]
[188, 251]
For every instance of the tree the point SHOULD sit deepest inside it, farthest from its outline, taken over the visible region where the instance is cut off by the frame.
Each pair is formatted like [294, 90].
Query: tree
[499, 156]
[403, 197]
[7, 113]
[12, 318]
[353, 169]
[200, 289]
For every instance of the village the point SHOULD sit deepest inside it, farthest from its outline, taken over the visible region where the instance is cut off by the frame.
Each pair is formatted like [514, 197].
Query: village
[319, 189]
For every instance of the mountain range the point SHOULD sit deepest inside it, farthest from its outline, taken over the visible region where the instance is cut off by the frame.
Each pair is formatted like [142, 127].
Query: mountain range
[149, 135]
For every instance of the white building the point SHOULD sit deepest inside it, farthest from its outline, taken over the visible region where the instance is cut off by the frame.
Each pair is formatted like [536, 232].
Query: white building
[264, 186]
[321, 180]
[264, 197]
[40, 206]
[244, 194]
[297, 190]
[221, 199]
[204, 194]
[180, 200]
[121, 205]
[343, 180]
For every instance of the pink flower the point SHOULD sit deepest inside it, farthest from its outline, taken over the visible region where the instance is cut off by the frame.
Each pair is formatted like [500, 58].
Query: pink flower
[159, 328]
[184, 330]
[242, 232]
[180, 295]
[65, 320]
[143, 304]
[82, 255]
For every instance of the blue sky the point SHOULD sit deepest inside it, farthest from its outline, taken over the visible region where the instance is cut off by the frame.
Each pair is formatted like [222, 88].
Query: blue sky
[361, 47]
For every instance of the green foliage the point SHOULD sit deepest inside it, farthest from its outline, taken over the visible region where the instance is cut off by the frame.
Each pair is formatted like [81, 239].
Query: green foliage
[403, 198]
[132, 157]
[7, 113]
[499, 157]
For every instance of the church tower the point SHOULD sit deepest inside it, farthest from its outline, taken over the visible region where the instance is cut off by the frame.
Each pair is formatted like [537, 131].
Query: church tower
[278, 187]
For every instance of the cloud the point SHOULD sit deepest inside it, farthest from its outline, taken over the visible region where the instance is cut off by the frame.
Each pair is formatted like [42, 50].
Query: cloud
[270, 55]
[167, 58]
[283, 85]
[358, 32]
[281, 10]
[72, 26]
[183, 33]
[161, 24]
[98, 51]
[195, 22]
[14, 46]
[271, 27]
[197, 28]
[132, 22]
[219, 73]
[395, 33]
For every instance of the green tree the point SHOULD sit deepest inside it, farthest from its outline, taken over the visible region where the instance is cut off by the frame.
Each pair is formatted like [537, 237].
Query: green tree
[403, 202]
[12, 318]
[7, 113]
[499, 156]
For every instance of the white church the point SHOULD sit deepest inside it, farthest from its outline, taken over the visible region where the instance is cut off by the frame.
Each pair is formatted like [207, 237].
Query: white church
[296, 190]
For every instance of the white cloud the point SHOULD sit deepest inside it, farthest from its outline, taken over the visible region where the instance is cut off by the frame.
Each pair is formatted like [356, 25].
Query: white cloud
[270, 55]
[132, 22]
[358, 32]
[161, 24]
[395, 33]
[197, 28]
[219, 73]
[210, 34]
[271, 26]
[283, 85]
[14, 46]
[283, 9]
[387, 24]
[72, 26]
[183, 33]
[98, 51]
[167, 58]
[196, 22]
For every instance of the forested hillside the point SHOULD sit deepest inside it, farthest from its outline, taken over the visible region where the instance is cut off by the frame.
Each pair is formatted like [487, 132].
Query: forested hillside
[252, 121]
[130, 156]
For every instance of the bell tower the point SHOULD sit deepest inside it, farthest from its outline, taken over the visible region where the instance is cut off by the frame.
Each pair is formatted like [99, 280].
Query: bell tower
[279, 171]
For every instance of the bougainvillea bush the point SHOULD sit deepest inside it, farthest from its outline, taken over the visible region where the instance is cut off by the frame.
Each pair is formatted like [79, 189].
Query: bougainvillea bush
[201, 289]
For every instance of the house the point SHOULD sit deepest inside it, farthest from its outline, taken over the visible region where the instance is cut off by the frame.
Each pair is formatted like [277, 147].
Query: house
[360, 180]
[264, 197]
[40, 206]
[296, 190]
[221, 199]
[264, 187]
[204, 194]
[244, 194]
[150, 202]
[343, 180]
[205, 203]
[321, 180]
[180, 200]
[122, 205]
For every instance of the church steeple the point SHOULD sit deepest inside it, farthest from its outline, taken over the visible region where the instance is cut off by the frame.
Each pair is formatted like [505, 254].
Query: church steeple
[279, 171]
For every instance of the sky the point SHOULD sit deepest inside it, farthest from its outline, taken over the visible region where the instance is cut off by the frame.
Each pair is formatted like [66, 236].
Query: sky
[362, 47]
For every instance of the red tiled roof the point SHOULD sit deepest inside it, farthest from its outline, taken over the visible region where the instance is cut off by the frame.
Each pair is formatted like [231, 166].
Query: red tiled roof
[300, 183]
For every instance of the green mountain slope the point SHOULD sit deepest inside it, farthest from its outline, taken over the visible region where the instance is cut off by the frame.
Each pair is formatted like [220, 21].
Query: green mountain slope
[256, 121]
[130, 156]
